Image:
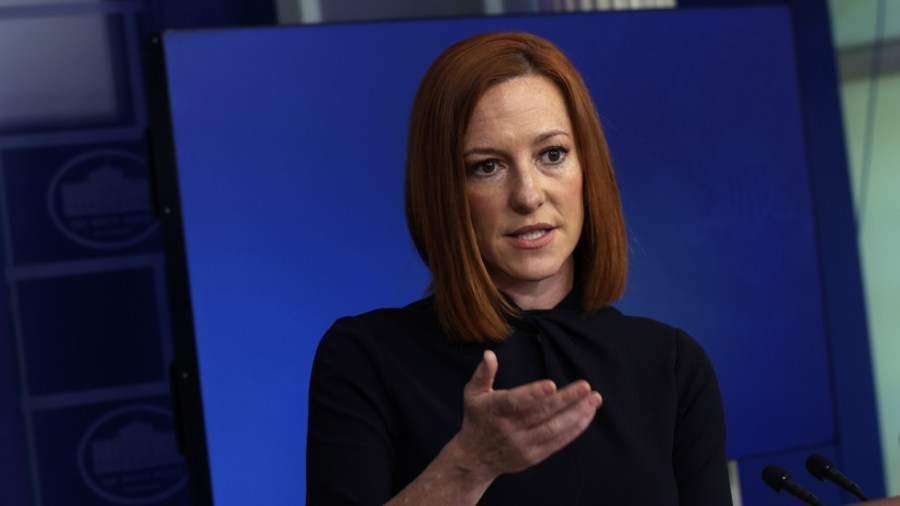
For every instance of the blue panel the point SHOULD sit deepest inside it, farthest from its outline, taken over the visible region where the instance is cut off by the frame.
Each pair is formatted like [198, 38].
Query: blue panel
[92, 331]
[290, 148]
[707, 137]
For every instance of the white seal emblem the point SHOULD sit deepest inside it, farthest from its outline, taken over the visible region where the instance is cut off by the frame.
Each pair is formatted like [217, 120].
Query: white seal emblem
[129, 456]
[101, 199]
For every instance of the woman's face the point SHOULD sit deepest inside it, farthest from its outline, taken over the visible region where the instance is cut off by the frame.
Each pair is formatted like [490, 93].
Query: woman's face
[524, 188]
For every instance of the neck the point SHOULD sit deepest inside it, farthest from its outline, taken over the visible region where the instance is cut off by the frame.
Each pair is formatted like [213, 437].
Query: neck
[542, 294]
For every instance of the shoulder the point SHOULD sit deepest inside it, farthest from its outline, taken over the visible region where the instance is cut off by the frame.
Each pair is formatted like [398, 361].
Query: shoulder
[362, 349]
[419, 312]
[611, 323]
[677, 345]
[644, 326]
[636, 325]
[386, 334]
[693, 372]
[387, 324]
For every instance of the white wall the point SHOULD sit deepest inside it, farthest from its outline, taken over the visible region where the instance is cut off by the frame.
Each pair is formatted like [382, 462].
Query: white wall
[878, 211]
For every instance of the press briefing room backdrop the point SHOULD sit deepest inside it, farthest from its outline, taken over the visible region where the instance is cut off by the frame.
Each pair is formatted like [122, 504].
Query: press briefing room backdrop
[725, 129]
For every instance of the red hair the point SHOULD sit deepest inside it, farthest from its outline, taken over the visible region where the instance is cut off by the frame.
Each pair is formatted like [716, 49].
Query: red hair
[468, 305]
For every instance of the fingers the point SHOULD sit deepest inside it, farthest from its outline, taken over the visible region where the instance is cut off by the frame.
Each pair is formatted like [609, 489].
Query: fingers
[483, 378]
[535, 402]
[524, 399]
[511, 430]
[558, 431]
[555, 431]
[543, 409]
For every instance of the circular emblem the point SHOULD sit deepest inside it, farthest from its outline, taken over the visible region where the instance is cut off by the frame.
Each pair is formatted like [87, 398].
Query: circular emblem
[101, 199]
[129, 456]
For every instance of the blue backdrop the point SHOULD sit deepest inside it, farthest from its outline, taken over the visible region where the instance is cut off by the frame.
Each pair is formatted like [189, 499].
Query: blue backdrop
[289, 148]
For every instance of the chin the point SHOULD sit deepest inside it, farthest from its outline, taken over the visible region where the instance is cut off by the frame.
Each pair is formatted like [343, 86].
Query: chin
[530, 273]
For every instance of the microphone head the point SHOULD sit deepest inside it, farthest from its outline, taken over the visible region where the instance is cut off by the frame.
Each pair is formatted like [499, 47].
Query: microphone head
[775, 477]
[818, 466]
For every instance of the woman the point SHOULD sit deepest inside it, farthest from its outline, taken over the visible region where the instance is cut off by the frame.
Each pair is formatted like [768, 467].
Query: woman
[512, 203]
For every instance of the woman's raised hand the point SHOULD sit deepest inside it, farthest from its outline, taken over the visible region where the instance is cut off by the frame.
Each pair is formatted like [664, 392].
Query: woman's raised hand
[505, 431]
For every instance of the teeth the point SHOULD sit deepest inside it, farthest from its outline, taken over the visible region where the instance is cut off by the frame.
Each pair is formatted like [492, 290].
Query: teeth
[534, 234]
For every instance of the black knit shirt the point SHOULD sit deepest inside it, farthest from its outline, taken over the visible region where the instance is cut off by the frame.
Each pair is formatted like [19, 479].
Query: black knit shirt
[386, 394]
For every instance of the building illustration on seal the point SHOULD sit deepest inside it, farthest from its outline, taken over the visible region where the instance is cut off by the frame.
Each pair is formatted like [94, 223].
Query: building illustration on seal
[105, 190]
[136, 446]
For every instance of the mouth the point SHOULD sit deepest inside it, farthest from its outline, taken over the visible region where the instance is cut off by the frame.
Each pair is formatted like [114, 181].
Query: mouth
[531, 233]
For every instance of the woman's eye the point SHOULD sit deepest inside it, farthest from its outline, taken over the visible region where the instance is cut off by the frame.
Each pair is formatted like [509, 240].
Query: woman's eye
[485, 167]
[553, 155]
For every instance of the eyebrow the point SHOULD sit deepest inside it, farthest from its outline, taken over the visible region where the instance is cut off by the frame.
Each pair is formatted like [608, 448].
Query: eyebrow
[537, 140]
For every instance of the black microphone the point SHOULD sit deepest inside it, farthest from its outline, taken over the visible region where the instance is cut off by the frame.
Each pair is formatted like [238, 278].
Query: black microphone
[779, 479]
[823, 469]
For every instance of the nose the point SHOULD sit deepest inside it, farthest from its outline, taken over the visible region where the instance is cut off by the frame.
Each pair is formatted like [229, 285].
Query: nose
[527, 192]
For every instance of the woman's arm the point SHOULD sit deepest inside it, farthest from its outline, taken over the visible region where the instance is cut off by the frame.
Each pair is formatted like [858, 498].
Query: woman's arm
[354, 427]
[503, 431]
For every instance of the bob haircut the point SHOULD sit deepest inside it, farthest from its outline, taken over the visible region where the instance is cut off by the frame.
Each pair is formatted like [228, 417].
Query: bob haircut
[469, 306]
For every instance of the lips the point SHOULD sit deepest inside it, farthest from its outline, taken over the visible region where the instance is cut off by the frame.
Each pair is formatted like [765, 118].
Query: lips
[532, 236]
[537, 228]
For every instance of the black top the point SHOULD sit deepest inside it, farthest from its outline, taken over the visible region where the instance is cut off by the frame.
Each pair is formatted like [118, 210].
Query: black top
[386, 394]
